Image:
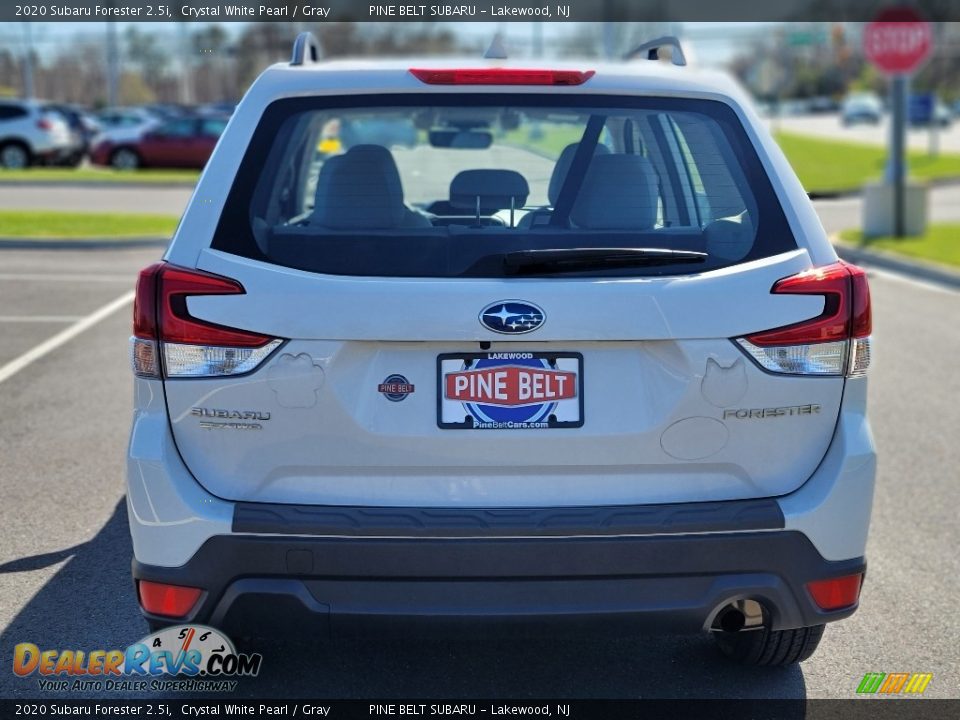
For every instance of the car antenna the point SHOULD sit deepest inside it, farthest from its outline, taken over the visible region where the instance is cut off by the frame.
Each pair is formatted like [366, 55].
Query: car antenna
[497, 49]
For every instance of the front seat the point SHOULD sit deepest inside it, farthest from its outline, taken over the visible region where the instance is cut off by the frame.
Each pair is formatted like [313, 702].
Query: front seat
[619, 192]
[361, 190]
[561, 168]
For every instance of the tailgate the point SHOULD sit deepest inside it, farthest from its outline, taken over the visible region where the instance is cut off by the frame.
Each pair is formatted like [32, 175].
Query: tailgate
[630, 391]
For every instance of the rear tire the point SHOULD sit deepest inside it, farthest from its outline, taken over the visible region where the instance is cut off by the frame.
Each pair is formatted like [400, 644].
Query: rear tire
[125, 159]
[73, 161]
[14, 156]
[770, 648]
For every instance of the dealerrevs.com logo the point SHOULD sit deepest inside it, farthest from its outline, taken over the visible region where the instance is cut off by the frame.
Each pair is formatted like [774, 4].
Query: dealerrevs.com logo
[189, 658]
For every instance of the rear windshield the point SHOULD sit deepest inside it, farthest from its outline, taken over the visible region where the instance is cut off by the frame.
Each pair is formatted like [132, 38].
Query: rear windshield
[499, 185]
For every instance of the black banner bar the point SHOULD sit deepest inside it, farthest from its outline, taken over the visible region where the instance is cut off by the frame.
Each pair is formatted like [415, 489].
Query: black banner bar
[873, 708]
[300, 11]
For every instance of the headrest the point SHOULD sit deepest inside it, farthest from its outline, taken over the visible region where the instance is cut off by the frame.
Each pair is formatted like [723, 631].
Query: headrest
[495, 188]
[359, 190]
[562, 167]
[619, 192]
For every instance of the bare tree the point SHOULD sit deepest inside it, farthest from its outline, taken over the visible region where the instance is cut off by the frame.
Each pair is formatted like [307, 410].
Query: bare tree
[145, 52]
[215, 76]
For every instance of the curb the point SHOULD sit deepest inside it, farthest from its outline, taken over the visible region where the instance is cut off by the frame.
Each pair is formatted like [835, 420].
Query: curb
[916, 269]
[857, 192]
[86, 244]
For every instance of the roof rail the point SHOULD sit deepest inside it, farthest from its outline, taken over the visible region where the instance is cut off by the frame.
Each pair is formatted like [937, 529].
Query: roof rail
[652, 50]
[306, 49]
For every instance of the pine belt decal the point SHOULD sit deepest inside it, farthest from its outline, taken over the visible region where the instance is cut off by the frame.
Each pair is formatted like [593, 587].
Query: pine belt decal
[510, 386]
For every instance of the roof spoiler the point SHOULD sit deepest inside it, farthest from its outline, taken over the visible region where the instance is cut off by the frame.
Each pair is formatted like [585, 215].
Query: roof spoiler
[306, 49]
[652, 50]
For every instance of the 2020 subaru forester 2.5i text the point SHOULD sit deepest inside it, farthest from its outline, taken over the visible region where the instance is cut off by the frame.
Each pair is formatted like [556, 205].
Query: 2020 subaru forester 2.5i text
[576, 349]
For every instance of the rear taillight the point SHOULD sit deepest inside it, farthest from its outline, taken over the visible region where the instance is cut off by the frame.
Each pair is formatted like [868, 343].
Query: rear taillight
[163, 328]
[501, 76]
[836, 342]
[44, 124]
[144, 348]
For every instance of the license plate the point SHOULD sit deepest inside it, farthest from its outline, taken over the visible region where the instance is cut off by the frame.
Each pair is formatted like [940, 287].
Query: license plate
[510, 390]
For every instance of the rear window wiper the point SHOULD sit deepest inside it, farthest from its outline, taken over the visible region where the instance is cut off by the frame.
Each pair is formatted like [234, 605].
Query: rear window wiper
[530, 262]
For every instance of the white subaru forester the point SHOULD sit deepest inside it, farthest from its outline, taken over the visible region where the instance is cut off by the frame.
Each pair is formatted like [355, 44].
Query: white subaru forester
[502, 344]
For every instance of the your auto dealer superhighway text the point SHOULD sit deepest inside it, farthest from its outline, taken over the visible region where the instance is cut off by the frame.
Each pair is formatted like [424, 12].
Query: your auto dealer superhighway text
[192, 710]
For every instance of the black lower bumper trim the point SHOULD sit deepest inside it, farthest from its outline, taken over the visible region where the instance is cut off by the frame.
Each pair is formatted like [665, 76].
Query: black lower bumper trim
[344, 521]
[665, 583]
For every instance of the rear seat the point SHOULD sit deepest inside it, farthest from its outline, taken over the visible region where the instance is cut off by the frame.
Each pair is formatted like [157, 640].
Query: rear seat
[361, 190]
[487, 192]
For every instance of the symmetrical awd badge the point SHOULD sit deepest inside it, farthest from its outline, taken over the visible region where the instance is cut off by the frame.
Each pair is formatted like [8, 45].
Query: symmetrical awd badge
[512, 317]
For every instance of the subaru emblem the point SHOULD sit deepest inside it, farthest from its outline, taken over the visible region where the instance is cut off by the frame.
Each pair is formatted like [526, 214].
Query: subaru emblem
[512, 317]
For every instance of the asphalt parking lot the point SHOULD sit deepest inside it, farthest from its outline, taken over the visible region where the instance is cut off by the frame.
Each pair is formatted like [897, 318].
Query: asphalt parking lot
[65, 404]
[162, 199]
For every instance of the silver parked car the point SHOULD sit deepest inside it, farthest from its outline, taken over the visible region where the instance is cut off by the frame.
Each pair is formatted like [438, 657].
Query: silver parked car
[861, 108]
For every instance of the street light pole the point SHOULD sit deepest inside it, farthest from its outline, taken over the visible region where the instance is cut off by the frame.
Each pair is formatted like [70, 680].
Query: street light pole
[28, 61]
[186, 84]
[113, 66]
[609, 42]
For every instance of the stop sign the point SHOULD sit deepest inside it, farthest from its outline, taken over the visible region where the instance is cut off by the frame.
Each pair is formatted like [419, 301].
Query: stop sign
[898, 41]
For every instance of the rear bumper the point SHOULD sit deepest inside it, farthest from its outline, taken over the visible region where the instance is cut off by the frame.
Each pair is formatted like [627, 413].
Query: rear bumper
[55, 153]
[657, 567]
[666, 583]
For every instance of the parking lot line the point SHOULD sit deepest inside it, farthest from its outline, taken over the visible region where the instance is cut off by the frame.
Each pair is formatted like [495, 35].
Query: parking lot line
[19, 363]
[39, 318]
[907, 280]
[69, 277]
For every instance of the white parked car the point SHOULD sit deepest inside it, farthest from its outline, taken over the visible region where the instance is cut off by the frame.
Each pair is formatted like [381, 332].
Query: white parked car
[33, 133]
[124, 124]
[113, 118]
[582, 353]
[128, 133]
[861, 108]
